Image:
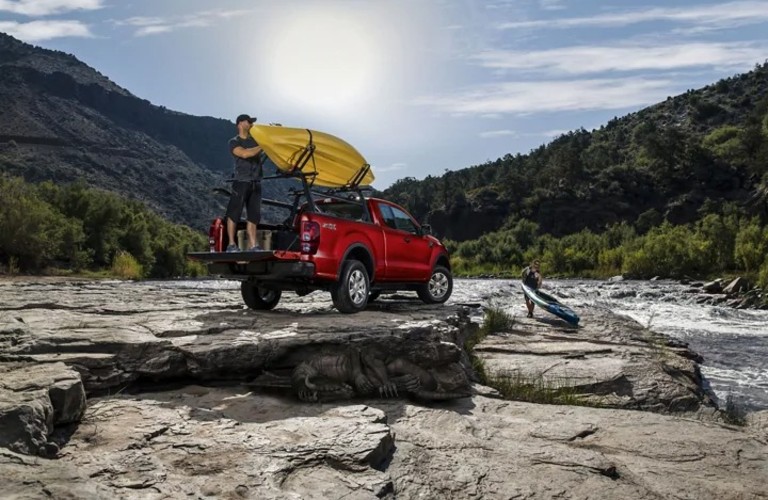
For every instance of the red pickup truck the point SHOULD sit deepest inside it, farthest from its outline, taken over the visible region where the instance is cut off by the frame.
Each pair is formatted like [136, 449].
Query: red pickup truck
[344, 242]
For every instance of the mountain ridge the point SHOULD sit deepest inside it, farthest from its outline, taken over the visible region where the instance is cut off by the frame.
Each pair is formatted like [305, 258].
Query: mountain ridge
[64, 121]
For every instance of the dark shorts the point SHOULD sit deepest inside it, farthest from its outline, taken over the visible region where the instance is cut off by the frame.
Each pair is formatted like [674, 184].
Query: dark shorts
[248, 195]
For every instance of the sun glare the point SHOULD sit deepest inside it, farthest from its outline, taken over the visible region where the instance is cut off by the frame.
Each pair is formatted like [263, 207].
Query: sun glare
[323, 60]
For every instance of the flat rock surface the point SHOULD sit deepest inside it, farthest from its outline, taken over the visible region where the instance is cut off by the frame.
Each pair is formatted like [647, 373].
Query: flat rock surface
[171, 412]
[609, 361]
[230, 443]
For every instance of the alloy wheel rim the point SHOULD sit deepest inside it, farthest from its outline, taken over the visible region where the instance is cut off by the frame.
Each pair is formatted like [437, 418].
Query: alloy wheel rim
[358, 290]
[438, 285]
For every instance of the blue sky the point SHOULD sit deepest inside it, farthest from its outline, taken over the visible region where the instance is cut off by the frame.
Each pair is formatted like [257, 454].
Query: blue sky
[418, 86]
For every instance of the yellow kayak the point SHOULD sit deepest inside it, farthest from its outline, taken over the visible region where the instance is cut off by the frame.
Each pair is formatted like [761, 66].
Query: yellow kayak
[327, 160]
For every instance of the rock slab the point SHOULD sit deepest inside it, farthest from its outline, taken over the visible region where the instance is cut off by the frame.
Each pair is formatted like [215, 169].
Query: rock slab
[34, 399]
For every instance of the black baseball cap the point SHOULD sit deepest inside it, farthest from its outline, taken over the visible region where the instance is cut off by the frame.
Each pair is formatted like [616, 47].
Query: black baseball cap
[244, 117]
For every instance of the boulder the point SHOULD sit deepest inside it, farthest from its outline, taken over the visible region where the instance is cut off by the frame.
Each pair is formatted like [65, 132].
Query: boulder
[34, 399]
[738, 285]
[715, 286]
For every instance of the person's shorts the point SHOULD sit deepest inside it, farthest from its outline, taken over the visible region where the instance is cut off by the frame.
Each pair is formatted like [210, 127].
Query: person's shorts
[245, 194]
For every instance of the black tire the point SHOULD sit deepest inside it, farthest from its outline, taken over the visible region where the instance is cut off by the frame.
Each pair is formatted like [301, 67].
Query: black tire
[350, 293]
[439, 287]
[259, 298]
[374, 295]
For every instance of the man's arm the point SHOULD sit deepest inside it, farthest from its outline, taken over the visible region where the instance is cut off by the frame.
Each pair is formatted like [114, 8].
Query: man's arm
[246, 153]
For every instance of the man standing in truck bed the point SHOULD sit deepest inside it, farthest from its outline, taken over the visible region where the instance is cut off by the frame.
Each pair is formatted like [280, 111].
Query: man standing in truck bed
[246, 185]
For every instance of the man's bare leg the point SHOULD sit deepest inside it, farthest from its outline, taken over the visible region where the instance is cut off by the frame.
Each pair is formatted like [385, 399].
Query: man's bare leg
[530, 305]
[232, 231]
[251, 228]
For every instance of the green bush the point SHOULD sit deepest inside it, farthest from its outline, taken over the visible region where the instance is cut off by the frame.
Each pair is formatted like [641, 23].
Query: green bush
[610, 261]
[762, 279]
[196, 269]
[717, 237]
[125, 266]
[497, 320]
[79, 227]
[535, 389]
[751, 245]
[31, 230]
[668, 250]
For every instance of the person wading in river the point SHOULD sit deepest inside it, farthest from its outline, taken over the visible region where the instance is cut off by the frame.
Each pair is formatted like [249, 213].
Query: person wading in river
[531, 279]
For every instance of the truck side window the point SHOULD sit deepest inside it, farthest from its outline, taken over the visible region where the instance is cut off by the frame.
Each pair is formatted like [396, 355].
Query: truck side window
[397, 219]
[387, 215]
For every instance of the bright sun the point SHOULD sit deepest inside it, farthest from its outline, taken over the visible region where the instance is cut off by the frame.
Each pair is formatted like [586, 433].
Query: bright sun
[323, 61]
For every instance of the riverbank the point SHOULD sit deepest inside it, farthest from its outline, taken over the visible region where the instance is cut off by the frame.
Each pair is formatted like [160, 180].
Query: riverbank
[220, 429]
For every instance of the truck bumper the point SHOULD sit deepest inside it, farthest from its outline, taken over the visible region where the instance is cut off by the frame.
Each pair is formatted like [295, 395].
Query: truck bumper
[264, 270]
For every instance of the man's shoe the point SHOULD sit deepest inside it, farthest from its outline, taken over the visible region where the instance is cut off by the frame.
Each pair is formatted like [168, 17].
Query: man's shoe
[530, 315]
[255, 248]
[233, 248]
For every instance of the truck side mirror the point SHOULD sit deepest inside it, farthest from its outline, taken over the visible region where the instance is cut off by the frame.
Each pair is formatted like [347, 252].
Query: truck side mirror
[426, 229]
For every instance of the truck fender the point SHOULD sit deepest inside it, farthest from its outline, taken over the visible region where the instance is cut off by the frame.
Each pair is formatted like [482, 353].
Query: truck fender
[362, 253]
[440, 258]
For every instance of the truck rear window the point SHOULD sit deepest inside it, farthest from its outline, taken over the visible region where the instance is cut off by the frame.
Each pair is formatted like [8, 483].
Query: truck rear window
[351, 211]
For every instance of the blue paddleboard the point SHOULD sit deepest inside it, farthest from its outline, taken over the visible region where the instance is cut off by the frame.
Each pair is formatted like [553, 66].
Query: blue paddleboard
[551, 304]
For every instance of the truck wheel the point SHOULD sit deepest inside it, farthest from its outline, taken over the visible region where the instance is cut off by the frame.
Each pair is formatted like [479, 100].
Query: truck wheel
[350, 293]
[259, 298]
[438, 288]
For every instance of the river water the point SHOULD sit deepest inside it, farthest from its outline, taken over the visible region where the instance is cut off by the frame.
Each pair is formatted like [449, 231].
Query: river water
[734, 343]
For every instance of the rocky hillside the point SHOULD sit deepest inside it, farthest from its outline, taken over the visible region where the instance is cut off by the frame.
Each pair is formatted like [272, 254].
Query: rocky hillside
[62, 120]
[676, 160]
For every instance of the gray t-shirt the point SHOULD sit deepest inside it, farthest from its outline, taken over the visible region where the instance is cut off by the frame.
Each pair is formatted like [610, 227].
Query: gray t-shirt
[246, 169]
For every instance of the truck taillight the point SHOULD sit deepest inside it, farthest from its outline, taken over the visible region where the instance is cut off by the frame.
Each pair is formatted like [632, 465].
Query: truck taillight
[310, 237]
[216, 235]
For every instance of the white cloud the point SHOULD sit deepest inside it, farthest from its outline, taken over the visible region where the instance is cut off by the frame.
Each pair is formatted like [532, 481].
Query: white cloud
[156, 25]
[47, 7]
[493, 134]
[153, 30]
[553, 95]
[593, 58]
[551, 4]
[141, 21]
[392, 168]
[719, 15]
[36, 31]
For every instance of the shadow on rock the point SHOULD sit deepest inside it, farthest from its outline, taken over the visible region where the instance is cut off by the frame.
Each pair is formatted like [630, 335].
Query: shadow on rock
[242, 404]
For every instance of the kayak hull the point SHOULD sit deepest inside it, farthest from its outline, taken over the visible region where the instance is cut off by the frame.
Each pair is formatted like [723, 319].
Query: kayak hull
[551, 305]
[325, 159]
